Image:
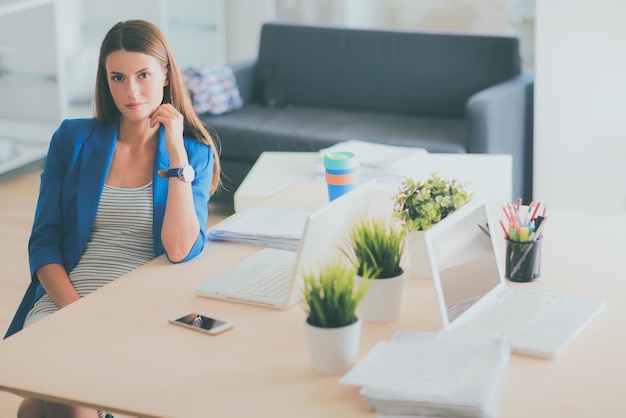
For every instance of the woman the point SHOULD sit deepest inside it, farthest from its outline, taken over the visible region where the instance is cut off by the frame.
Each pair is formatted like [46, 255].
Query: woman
[122, 188]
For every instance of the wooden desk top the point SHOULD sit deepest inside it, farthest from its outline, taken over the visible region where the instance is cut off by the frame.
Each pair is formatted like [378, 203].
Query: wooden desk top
[116, 350]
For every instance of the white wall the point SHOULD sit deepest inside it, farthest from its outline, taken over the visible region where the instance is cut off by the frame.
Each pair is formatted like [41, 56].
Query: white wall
[487, 16]
[30, 83]
[244, 19]
[580, 127]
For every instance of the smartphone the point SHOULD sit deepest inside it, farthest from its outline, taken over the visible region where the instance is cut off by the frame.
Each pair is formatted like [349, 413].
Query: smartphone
[201, 323]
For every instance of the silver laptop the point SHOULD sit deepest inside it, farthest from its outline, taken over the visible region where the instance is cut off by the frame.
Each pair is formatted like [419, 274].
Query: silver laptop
[273, 277]
[473, 295]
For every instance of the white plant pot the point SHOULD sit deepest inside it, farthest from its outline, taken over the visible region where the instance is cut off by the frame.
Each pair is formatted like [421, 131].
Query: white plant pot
[382, 301]
[419, 264]
[333, 351]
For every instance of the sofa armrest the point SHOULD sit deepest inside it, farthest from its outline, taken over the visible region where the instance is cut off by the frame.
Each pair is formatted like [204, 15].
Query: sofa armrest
[500, 121]
[244, 74]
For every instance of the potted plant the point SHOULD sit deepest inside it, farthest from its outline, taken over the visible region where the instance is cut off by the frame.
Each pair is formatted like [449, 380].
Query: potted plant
[333, 328]
[418, 205]
[376, 247]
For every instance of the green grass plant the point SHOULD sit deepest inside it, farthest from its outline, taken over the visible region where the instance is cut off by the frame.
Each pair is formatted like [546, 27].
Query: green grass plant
[377, 245]
[332, 295]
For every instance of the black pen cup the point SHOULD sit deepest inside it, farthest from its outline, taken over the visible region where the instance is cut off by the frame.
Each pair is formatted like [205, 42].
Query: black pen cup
[523, 260]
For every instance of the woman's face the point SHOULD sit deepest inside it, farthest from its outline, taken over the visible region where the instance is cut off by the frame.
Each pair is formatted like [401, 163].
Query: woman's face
[136, 81]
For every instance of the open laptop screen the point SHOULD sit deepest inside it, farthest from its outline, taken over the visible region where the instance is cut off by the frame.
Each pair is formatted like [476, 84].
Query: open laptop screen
[465, 259]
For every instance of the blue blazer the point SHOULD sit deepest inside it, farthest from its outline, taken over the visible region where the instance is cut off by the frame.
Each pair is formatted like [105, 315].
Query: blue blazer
[72, 180]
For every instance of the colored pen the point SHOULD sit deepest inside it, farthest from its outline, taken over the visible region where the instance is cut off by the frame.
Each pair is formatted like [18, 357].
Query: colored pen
[506, 233]
[524, 234]
[535, 211]
[526, 219]
[537, 234]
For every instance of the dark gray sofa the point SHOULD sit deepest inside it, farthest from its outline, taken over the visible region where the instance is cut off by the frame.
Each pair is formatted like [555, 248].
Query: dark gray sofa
[313, 86]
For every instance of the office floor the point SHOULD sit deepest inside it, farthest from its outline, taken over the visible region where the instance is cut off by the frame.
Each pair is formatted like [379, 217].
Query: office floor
[18, 197]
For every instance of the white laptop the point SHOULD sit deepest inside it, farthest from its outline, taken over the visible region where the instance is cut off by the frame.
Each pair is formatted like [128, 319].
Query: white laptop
[273, 277]
[473, 295]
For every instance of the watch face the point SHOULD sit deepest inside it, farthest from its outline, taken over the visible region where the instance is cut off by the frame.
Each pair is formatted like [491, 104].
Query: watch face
[188, 173]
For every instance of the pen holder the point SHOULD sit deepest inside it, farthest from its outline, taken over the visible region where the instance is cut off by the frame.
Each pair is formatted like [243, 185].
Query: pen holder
[523, 260]
[341, 172]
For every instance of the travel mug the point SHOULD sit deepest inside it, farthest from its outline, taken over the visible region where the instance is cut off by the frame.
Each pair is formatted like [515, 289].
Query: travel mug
[341, 172]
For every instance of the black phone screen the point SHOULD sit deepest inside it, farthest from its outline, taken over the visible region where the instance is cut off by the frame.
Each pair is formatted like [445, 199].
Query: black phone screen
[200, 321]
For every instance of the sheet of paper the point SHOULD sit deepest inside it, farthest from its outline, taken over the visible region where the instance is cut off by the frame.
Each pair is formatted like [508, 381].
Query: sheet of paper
[428, 370]
[375, 155]
[446, 373]
[377, 161]
[268, 226]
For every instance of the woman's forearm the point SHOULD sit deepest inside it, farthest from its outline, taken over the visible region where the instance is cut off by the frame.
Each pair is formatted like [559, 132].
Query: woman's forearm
[57, 284]
[180, 222]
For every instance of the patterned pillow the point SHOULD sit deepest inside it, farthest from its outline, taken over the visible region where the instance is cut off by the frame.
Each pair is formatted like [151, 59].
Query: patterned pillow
[213, 89]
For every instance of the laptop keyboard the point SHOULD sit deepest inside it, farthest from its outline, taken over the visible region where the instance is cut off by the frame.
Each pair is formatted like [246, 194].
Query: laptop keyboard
[275, 284]
[515, 314]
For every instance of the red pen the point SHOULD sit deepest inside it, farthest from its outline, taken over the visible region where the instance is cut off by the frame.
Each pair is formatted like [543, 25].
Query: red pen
[506, 233]
[535, 211]
[509, 216]
[511, 213]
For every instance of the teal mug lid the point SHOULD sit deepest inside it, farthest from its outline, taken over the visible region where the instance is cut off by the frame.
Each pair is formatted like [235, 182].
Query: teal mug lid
[340, 160]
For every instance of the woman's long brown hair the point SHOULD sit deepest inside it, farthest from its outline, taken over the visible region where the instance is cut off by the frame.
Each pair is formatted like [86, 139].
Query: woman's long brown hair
[145, 37]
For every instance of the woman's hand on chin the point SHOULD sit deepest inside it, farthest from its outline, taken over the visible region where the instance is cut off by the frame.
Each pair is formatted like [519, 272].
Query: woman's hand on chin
[173, 122]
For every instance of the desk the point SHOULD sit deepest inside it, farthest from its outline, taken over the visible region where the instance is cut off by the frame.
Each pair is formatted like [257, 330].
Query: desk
[488, 175]
[115, 349]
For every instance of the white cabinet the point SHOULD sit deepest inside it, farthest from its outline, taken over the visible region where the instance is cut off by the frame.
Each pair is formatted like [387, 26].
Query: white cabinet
[31, 81]
[194, 28]
[196, 31]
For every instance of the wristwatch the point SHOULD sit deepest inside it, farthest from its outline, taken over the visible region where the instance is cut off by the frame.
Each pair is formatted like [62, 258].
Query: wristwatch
[185, 173]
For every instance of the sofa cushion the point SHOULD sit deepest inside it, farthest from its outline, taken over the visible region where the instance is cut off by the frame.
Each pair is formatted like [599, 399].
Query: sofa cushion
[430, 74]
[245, 133]
[213, 89]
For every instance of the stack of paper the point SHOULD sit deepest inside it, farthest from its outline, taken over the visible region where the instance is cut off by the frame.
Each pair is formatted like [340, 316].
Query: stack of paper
[377, 161]
[263, 225]
[447, 374]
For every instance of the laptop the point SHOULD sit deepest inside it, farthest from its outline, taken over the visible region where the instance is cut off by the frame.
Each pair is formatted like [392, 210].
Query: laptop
[273, 277]
[472, 293]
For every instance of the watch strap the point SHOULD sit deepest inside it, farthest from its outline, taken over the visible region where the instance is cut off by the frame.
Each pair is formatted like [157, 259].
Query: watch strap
[178, 172]
[172, 172]
[175, 172]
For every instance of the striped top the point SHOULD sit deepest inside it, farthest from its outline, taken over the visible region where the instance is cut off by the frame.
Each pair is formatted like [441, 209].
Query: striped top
[120, 240]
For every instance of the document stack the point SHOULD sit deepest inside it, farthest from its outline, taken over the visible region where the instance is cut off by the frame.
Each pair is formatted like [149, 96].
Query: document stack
[446, 374]
[266, 226]
[378, 162]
